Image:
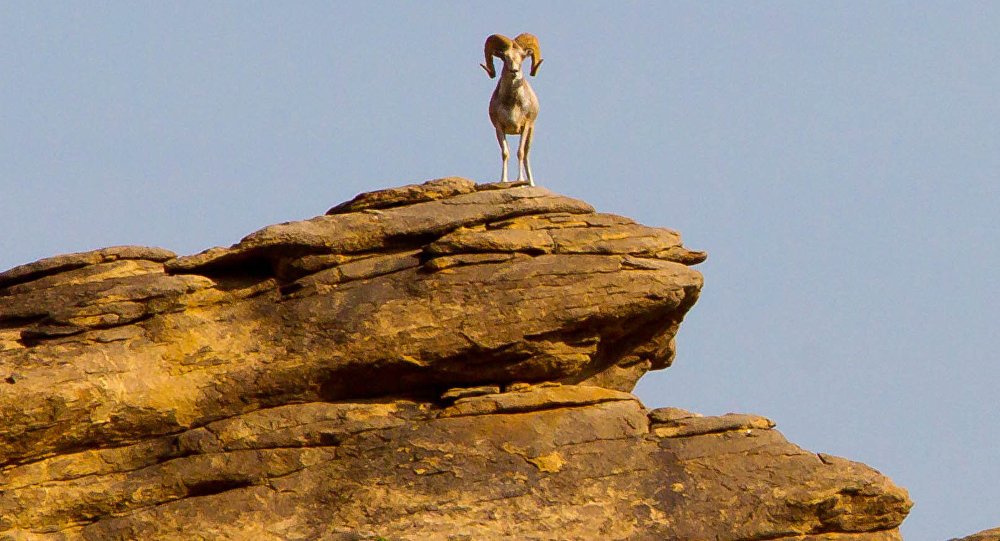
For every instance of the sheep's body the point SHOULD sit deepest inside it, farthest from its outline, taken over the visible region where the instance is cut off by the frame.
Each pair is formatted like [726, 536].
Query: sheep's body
[514, 105]
[513, 110]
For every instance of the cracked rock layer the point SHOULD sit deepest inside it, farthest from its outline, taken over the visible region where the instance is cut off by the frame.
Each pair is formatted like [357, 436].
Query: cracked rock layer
[535, 462]
[296, 385]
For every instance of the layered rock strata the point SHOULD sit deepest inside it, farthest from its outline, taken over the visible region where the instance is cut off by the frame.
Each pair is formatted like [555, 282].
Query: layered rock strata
[534, 462]
[438, 361]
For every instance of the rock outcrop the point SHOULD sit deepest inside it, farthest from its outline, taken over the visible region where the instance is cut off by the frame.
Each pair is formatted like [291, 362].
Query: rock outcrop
[438, 361]
[992, 534]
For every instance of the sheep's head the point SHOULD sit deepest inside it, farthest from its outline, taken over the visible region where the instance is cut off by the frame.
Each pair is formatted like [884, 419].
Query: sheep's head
[512, 52]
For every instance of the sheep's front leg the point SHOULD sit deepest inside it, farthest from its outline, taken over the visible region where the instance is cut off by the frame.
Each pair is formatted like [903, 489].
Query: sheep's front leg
[504, 152]
[524, 150]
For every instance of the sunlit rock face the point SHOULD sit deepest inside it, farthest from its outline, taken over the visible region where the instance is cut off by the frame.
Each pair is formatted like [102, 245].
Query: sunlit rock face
[444, 360]
[992, 534]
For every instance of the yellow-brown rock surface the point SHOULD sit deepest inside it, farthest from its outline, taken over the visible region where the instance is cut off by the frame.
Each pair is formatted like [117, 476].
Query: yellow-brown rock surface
[438, 361]
[992, 534]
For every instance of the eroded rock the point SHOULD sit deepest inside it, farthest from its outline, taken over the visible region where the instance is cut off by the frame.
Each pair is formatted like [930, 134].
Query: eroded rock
[62, 263]
[985, 535]
[425, 362]
[340, 306]
[550, 462]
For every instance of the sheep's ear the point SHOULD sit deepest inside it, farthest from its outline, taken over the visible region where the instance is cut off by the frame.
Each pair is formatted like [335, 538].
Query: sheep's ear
[489, 69]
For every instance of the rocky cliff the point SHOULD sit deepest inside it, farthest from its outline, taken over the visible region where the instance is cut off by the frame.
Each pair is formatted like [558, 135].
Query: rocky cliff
[438, 361]
[985, 535]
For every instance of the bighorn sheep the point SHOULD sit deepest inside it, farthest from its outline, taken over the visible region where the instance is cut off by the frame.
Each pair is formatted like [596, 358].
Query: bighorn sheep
[514, 106]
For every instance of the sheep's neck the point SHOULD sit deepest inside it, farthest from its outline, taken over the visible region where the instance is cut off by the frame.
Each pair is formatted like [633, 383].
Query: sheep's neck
[512, 88]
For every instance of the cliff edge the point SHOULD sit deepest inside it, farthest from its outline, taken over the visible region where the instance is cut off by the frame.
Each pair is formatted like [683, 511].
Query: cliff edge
[436, 361]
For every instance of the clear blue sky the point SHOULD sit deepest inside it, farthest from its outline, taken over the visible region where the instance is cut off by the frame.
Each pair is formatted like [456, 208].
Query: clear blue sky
[838, 161]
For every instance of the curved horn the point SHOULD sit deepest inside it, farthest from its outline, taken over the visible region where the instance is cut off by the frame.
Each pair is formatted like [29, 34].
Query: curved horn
[529, 43]
[495, 45]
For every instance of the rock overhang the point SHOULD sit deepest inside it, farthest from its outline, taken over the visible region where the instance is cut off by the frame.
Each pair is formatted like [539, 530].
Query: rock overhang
[433, 360]
[407, 290]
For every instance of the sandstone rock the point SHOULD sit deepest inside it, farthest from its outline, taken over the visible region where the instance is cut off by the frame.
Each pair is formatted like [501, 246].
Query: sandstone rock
[467, 392]
[161, 344]
[437, 361]
[985, 535]
[66, 262]
[407, 195]
[408, 221]
[556, 462]
[531, 398]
